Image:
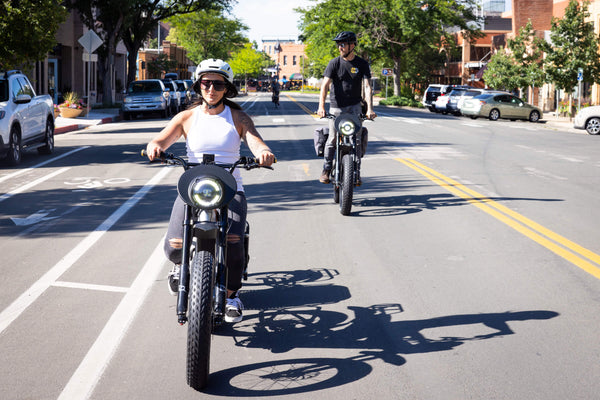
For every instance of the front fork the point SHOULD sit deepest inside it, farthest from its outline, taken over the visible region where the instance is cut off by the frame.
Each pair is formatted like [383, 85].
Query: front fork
[338, 161]
[184, 272]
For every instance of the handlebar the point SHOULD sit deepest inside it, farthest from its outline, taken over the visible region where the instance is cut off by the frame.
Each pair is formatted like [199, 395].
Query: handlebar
[328, 115]
[247, 163]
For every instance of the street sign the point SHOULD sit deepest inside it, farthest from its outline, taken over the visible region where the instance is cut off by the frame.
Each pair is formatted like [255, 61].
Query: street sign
[89, 57]
[386, 71]
[90, 41]
[580, 74]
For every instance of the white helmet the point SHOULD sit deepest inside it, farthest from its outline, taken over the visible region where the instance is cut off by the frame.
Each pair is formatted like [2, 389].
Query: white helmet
[216, 66]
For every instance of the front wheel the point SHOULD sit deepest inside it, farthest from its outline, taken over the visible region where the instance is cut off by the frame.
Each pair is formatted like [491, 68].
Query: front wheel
[15, 151]
[534, 116]
[200, 320]
[593, 126]
[346, 184]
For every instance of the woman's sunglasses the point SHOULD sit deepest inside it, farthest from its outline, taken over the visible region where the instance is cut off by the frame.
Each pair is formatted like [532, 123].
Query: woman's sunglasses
[217, 85]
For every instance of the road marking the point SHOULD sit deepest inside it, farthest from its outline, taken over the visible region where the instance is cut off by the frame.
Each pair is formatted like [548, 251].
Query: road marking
[302, 106]
[90, 286]
[22, 171]
[32, 184]
[570, 251]
[13, 311]
[91, 368]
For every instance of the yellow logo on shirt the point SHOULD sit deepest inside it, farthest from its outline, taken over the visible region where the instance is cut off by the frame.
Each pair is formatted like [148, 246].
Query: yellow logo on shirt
[353, 70]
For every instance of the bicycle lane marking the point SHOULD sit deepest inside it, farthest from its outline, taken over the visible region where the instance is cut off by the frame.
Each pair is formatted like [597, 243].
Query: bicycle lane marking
[578, 255]
[90, 370]
[22, 171]
[14, 310]
[32, 184]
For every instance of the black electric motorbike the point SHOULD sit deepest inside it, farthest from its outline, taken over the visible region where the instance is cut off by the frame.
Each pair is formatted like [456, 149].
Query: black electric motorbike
[350, 146]
[207, 189]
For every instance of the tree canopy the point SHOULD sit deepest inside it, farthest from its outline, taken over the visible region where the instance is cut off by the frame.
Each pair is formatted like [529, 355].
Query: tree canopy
[28, 31]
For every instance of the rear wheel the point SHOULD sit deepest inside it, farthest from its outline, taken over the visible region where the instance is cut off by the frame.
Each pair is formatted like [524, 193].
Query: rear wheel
[593, 126]
[200, 319]
[49, 139]
[347, 184]
[494, 114]
[15, 151]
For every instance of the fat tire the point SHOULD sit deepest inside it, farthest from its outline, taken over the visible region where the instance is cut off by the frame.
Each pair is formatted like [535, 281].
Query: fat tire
[48, 148]
[200, 320]
[347, 184]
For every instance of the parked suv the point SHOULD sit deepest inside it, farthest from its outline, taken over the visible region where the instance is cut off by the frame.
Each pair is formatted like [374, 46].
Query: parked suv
[184, 93]
[26, 120]
[431, 94]
[145, 96]
[175, 100]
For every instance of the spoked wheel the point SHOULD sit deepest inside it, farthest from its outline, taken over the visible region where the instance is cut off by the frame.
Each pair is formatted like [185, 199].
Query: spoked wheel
[200, 320]
[347, 184]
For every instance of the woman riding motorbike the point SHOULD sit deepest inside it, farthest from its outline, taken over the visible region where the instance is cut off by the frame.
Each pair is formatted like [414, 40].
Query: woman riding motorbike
[213, 125]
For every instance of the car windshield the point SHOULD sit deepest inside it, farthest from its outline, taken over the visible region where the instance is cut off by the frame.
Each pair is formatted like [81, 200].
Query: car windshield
[180, 85]
[3, 90]
[457, 92]
[472, 93]
[144, 86]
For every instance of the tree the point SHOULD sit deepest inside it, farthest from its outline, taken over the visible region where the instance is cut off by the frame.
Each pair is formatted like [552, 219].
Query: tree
[207, 34]
[518, 66]
[248, 62]
[130, 21]
[573, 45]
[28, 31]
[159, 65]
[144, 19]
[396, 30]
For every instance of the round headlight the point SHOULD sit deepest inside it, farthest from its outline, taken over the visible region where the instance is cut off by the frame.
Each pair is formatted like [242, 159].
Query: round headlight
[206, 193]
[347, 127]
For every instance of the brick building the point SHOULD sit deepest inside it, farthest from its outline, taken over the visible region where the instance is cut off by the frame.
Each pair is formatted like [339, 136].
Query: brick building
[288, 54]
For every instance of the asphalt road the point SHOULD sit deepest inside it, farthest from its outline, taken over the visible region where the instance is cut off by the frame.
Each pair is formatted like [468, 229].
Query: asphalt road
[468, 269]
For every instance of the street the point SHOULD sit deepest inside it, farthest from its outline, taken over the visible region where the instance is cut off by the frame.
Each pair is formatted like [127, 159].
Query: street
[469, 267]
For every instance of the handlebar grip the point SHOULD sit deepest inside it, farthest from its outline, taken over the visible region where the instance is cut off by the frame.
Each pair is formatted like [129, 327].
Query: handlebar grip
[143, 153]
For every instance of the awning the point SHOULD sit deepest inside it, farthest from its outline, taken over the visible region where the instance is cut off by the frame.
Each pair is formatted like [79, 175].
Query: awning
[295, 77]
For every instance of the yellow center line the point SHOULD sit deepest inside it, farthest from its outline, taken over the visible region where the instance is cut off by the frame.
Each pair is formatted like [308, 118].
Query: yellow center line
[547, 238]
[302, 106]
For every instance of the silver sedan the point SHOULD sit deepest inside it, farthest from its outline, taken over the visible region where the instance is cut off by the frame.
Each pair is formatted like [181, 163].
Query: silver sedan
[588, 118]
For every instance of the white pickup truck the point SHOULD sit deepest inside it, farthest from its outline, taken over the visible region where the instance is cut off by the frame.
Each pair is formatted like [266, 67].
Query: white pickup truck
[26, 120]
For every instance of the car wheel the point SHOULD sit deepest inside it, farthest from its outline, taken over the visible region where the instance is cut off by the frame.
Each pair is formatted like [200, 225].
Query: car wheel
[473, 116]
[126, 116]
[494, 114]
[593, 126]
[48, 148]
[15, 150]
[534, 116]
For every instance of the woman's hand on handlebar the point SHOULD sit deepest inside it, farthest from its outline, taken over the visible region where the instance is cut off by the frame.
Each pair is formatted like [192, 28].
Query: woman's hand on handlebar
[153, 151]
[266, 158]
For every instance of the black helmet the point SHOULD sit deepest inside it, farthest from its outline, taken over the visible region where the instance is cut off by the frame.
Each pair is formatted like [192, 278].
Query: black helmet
[345, 36]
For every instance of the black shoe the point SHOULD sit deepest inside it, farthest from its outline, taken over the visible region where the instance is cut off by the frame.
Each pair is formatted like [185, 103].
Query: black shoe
[173, 280]
[324, 176]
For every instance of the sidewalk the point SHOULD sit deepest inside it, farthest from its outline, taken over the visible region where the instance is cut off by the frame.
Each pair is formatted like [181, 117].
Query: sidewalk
[95, 117]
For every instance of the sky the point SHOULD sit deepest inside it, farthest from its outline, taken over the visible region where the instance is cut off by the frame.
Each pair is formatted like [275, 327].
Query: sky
[273, 18]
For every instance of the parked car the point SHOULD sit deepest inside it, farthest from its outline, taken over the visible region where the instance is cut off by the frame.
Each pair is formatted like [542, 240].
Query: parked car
[144, 97]
[175, 100]
[457, 97]
[441, 103]
[588, 118]
[431, 94]
[184, 93]
[26, 119]
[500, 105]
[193, 94]
[467, 94]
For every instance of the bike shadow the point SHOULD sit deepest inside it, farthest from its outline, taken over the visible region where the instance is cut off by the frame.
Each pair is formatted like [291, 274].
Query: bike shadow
[375, 332]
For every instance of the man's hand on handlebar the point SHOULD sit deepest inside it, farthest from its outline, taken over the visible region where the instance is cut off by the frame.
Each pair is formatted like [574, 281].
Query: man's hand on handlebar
[266, 158]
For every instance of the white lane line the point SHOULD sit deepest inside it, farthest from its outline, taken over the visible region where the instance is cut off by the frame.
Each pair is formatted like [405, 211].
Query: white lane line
[90, 286]
[22, 171]
[32, 184]
[91, 368]
[12, 312]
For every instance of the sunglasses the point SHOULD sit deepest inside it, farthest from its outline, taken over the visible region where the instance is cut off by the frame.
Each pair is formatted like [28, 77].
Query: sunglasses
[343, 44]
[217, 85]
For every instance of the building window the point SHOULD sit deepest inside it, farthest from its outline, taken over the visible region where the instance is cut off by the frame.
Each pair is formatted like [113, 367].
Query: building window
[294, 60]
[478, 53]
[284, 60]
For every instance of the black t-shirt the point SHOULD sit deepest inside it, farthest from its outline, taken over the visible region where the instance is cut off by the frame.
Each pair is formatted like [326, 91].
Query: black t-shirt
[347, 77]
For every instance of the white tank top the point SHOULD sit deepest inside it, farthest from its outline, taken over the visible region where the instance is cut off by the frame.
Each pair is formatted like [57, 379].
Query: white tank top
[215, 134]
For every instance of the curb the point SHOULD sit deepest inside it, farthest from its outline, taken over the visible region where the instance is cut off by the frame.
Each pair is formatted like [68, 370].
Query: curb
[76, 127]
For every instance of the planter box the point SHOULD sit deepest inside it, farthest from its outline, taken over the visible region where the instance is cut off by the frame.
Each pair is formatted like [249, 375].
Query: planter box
[70, 112]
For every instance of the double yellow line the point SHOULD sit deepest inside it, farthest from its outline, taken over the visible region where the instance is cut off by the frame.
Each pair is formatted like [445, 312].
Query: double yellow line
[570, 251]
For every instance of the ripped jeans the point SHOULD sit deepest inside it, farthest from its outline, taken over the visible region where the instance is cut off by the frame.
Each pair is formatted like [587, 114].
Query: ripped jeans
[238, 209]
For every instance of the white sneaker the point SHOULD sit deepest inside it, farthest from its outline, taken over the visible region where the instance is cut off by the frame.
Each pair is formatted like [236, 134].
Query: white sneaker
[233, 310]
[173, 280]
